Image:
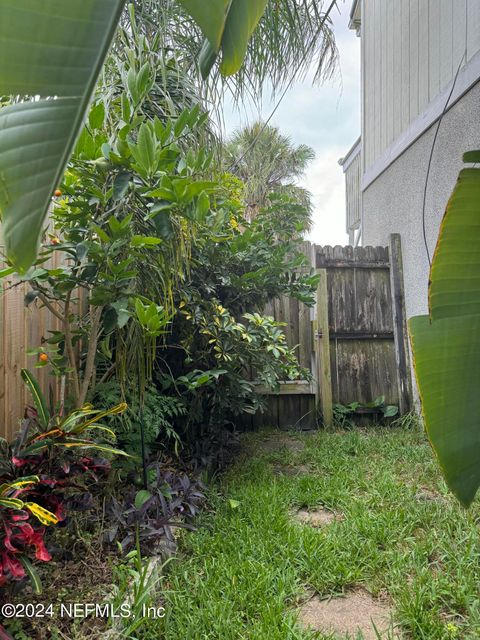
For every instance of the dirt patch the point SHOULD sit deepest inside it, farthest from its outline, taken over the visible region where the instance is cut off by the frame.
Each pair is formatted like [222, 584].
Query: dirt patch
[284, 470]
[280, 441]
[317, 518]
[347, 616]
[429, 495]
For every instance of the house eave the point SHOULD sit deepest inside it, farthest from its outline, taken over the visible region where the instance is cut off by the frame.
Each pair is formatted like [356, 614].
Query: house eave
[352, 153]
[356, 16]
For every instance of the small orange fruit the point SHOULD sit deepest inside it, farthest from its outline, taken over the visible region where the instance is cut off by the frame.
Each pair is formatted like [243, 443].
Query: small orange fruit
[43, 357]
[54, 240]
[57, 193]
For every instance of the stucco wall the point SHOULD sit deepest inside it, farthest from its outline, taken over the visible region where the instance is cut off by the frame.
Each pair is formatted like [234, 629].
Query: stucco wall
[393, 202]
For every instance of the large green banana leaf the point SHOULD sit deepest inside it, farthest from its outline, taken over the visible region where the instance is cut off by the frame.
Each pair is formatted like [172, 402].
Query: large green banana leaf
[446, 344]
[227, 25]
[53, 51]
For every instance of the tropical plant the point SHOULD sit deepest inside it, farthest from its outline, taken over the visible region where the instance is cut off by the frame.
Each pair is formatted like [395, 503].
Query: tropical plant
[292, 38]
[59, 75]
[250, 264]
[158, 413]
[149, 514]
[220, 348]
[44, 434]
[267, 161]
[47, 460]
[21, 537]
[446, 343]
[344, 414]
[130, 198]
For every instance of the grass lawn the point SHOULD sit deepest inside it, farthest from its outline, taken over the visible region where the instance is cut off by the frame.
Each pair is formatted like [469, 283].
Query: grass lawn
[401, 536]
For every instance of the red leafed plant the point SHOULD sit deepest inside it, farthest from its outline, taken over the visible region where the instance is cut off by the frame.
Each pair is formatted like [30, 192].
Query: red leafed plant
[43, 474]
[22, 522]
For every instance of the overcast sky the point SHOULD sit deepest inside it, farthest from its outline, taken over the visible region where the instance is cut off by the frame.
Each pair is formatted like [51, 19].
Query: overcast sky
[327, 118]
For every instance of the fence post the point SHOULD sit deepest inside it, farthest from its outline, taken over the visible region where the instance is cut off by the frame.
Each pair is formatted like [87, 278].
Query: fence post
[402, 353]
[322, 340]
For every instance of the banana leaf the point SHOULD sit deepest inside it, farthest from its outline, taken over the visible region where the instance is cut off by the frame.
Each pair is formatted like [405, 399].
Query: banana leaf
[227, 26]
[51, 51]
[446, 344]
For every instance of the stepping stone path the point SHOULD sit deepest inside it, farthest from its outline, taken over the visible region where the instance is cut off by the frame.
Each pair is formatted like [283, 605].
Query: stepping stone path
[358, 612]
[317, 518]
[276, 442]
[347, 616]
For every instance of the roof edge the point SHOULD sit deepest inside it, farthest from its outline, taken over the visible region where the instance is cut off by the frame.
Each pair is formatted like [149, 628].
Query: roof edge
[351, 154]
[356, 16]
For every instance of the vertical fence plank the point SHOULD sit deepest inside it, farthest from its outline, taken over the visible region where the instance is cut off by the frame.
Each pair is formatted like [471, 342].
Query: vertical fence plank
[400, 325]
[324, 377]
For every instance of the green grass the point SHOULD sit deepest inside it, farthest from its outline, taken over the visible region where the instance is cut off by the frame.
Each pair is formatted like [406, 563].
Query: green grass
[241, 575]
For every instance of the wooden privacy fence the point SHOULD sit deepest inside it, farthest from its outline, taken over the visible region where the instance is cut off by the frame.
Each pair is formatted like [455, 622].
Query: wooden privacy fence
[354, 341]
[22, 329]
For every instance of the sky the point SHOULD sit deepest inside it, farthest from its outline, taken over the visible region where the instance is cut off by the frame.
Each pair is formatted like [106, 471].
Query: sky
[327, 118]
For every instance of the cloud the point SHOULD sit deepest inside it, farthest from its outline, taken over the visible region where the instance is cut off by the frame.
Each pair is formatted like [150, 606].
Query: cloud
[327, 118]
[325, 180]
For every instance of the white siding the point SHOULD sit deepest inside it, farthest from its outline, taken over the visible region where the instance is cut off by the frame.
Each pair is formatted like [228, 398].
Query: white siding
[473, 28]
[411, 53]
[353, 187]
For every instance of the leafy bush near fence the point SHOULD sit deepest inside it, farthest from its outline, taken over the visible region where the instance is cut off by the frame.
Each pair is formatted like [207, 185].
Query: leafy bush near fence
[159, 294]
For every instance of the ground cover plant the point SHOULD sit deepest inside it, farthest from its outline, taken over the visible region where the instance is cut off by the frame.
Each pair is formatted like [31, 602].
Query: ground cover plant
[401, 535]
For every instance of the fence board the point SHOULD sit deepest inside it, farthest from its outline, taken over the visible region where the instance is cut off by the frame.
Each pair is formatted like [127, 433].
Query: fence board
[22, 329]
[366, 353]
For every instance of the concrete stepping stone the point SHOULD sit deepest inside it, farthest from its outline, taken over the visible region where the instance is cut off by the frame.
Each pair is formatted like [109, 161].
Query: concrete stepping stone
[320, 517]
[348, 616]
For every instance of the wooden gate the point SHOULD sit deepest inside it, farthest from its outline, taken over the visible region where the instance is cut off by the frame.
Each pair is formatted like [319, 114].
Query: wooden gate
[354, 341]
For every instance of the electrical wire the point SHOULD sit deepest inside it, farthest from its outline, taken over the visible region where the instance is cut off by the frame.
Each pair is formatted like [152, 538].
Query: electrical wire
[432, 150]
[283, 94]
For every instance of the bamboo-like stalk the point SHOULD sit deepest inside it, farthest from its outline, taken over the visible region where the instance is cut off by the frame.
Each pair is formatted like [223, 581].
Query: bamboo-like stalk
[69, 348]
[95, 315]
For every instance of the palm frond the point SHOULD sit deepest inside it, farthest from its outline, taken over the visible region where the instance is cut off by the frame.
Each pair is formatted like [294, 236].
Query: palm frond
[292, 36]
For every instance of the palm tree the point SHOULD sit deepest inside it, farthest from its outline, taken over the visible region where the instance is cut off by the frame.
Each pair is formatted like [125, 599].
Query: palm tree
[267, 161]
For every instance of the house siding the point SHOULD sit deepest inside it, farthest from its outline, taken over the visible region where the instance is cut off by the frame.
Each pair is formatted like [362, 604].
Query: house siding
[411, 51]
[352, 167]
